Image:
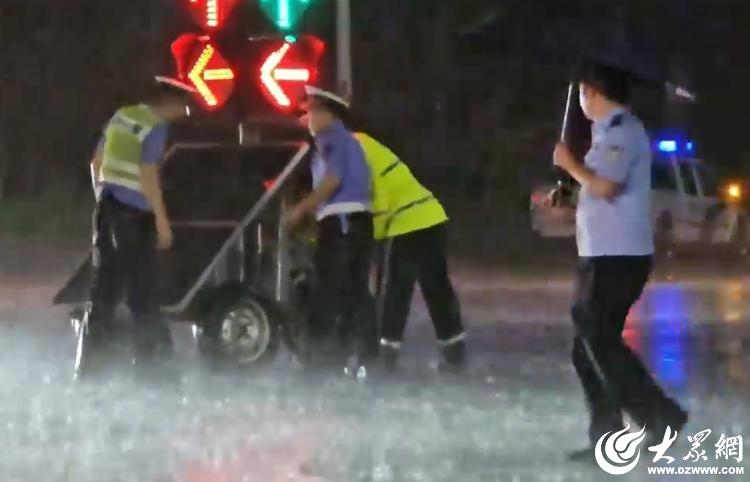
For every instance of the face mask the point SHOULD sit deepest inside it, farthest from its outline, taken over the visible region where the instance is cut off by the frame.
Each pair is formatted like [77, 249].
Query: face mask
[582, 99]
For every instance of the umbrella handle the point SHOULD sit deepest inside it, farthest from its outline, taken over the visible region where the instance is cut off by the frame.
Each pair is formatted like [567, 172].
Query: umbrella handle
[571, 88]
[564, 181]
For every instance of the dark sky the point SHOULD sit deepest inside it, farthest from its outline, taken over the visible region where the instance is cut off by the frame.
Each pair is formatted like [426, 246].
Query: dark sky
[66, 65]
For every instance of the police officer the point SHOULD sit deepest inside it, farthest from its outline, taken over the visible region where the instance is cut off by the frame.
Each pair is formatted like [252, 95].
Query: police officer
[412, 222]
[131, 220]
[615, 248]
[340, 201]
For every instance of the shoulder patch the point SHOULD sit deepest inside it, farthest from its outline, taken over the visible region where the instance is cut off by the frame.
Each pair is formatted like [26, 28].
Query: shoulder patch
[328, 149]
[616, 121]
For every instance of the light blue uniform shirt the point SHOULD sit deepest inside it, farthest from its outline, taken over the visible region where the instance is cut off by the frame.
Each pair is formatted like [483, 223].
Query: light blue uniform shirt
[620, 151]
[152, 152]
[339, 152]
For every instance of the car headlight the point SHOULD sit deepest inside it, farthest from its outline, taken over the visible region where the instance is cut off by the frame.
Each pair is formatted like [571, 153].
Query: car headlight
[733, 193]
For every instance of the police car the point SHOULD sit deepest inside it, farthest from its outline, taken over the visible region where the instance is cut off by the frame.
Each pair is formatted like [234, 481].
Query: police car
[688, 203]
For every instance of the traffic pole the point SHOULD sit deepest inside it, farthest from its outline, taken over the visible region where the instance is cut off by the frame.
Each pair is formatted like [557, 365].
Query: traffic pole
[344, 48]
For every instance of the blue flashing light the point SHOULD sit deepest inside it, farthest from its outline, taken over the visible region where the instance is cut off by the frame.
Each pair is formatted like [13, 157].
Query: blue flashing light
[689, 146]
[668, 146]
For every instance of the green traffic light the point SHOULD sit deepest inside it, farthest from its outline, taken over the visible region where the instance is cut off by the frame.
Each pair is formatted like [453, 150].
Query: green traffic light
[285, 14]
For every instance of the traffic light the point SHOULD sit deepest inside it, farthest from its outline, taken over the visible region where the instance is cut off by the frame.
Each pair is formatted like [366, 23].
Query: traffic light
[211, 14]
[285, 14]
[249, 75]
[287, 69]
[200, 63]
[211, 69]
[260, 75]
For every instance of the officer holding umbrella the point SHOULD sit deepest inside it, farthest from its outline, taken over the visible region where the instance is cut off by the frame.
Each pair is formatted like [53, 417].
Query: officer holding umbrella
[615, 249]
[615, 242]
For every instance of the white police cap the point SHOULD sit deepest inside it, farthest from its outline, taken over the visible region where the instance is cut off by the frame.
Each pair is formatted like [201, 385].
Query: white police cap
[313, 91]
[177, 84]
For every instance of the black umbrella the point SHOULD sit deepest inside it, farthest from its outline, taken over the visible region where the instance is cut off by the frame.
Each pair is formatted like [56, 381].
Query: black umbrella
[569, 34]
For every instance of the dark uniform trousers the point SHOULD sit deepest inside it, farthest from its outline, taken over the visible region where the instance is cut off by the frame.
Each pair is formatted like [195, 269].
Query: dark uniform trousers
[419, 256]
[340, 301]
[613, 377]
[124, 259]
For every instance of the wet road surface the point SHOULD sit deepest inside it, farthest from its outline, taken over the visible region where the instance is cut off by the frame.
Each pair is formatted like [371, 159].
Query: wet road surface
[513, 416]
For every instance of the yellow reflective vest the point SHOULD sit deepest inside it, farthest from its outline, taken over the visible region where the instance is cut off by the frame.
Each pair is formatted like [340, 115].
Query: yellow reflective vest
[400, 204]
[123, 142]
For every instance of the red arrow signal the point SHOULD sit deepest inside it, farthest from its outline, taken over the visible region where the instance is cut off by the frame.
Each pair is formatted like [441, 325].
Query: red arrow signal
[280, 80]
[211, 14]
[262, 74]
[212, 76]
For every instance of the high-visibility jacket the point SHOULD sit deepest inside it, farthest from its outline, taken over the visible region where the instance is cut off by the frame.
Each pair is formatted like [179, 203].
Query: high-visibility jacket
[400, 204]
[123, 140]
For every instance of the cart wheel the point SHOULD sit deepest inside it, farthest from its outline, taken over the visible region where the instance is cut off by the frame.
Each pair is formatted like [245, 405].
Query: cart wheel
[246, 334]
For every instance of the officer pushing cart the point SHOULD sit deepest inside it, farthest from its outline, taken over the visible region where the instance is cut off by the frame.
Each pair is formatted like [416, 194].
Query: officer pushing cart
[131, 220]
[231, 261]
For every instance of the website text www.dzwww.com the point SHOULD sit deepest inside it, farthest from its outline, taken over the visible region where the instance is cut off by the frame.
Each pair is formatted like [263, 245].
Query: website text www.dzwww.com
[696, 470]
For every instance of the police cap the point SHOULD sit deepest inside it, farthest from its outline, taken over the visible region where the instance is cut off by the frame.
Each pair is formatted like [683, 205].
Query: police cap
[329, 100]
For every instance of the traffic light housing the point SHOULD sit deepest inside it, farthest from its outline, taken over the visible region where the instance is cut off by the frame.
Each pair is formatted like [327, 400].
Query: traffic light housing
[256, 76]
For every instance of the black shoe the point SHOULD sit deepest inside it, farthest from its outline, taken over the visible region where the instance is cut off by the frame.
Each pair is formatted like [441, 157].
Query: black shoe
[357, 371]
[320, 359]
[453, 358]
[673, 416]
[390, 356]
[583, 456]
[153, 358]
[156, 368]
[153, 344]
[603, 425]
[153, 354]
